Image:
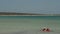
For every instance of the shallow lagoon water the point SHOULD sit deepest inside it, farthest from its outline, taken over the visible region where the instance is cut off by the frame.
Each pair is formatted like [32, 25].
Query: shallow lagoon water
[29, 24]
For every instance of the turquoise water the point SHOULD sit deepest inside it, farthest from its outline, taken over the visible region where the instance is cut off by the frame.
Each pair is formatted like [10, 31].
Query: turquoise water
[20, 23]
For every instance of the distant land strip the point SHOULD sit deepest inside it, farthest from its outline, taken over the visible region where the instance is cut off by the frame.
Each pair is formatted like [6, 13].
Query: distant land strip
[25, 14]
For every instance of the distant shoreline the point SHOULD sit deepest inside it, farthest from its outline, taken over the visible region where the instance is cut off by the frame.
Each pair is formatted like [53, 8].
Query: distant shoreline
[25, 14]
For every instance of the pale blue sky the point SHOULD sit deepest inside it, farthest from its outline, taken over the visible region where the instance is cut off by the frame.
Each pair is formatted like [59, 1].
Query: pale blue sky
[30, 6]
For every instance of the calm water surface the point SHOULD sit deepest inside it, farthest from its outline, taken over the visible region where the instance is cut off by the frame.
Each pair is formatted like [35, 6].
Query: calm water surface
[20, 23]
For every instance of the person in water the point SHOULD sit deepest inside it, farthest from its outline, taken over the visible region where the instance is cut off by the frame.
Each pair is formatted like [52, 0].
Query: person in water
[46, 29]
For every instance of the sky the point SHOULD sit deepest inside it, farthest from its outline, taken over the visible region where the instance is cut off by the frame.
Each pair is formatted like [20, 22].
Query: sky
[31, 6]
